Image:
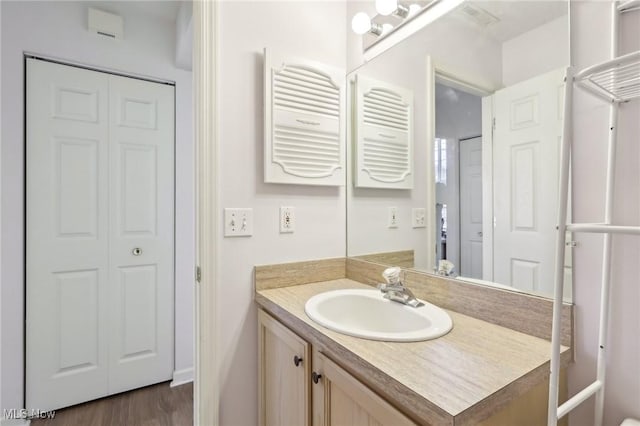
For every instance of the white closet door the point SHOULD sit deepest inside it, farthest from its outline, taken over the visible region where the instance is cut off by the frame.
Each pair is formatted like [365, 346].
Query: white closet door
[67, 235]
[526, 141]
[100, 183]
[471, 208]
[141, 128]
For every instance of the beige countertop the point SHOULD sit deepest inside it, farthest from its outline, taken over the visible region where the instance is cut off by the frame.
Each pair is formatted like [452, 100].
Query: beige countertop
[461, 378]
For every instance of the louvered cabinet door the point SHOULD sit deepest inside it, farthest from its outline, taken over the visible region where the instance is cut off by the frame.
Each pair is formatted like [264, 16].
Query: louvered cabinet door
[383, 134]
[304, 122]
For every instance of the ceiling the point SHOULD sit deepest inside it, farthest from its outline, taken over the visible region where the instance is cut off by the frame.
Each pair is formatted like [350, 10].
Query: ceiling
[164, 10]
[513, 17]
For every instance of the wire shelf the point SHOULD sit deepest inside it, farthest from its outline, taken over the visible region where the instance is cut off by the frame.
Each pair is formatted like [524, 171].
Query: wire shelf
[616, 80]
[628, 6]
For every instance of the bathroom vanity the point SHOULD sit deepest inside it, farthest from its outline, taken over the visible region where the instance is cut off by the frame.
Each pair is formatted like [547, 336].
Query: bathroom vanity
[478, 374]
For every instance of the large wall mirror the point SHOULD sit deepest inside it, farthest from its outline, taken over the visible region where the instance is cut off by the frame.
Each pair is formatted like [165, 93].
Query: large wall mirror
[454, 146]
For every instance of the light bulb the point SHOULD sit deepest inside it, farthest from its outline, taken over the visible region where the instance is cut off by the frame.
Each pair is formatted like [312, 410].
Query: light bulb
[361, 23]
[386, 7]
[413, 9]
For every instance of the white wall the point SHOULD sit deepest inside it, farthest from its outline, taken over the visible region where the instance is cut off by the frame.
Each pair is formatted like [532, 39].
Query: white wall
[307, 29]
[535, 52]
[590, 44]
[59, 29]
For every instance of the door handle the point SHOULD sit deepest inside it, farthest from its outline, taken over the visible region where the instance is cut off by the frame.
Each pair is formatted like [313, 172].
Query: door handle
[480, 234]
[137, 251]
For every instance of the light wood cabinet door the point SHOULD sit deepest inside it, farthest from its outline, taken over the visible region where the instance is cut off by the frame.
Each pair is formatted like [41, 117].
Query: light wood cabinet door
[284, 370]
[339, 399]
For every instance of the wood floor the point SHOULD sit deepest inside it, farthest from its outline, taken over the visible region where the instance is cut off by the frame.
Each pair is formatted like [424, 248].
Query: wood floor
[156, 405]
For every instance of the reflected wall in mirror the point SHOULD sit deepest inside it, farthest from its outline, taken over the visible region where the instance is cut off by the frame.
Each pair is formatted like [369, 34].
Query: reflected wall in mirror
[487, 82]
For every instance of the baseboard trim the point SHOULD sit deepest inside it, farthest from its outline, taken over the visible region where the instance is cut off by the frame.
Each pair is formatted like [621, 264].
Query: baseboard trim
[181, 377]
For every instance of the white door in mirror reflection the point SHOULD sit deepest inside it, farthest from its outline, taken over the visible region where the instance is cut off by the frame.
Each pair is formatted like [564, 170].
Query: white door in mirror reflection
[471, 208]
[528, 128]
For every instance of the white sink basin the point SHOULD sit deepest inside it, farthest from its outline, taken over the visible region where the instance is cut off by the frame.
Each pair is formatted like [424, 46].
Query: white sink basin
[366, 313]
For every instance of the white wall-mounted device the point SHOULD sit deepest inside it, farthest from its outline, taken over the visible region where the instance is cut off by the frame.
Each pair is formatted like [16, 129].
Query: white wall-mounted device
[105, 23]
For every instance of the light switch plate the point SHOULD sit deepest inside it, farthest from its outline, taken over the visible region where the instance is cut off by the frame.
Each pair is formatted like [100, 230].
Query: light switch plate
[238, 222]
[392, 220]
[418, 218]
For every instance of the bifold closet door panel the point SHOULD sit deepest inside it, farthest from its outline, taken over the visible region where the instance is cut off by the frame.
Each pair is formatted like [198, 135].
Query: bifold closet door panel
[66, 235]
[100, 234]
[141, 130]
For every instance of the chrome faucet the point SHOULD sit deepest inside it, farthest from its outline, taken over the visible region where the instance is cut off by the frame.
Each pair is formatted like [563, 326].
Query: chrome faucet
[395, 290]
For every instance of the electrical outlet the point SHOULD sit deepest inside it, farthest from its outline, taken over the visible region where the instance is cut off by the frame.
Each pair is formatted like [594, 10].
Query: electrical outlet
[287, 220]
[238, 222]
[392, 220]
[418, 218]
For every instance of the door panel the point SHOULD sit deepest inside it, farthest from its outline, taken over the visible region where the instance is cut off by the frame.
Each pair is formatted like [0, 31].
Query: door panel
[137, 113]
[525, 160]
[138, 169]
[100, 183]
[141, 132]
[75, 103]
[67, 238]
[76, 186]
[471, 208]
[78, 321]
[138, 316]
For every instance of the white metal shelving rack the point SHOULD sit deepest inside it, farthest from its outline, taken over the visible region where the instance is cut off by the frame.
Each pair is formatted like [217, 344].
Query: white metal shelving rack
[615, 81]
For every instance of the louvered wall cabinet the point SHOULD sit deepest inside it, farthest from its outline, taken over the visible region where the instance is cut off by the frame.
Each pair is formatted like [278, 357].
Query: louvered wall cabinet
[304, 111]
[382, 134]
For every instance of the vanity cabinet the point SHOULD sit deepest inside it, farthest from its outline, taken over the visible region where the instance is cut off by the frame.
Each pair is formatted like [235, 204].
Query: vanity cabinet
[284, 370]
[301, 386]
[340, 399]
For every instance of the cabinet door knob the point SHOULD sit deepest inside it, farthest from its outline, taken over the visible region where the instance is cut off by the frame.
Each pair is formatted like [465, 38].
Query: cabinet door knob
[316, 377]
[297, 360]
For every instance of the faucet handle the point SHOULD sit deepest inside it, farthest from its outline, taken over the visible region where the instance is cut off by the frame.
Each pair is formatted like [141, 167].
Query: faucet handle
[392, 275]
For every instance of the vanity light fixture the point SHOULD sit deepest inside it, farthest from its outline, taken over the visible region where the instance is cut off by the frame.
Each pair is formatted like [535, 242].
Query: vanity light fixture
[362, 24]
[391, 7]
[416, 21]
[394, 8]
